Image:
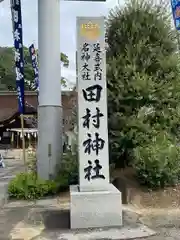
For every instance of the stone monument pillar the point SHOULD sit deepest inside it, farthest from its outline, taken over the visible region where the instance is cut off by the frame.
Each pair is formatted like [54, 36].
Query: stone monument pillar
[95, 202]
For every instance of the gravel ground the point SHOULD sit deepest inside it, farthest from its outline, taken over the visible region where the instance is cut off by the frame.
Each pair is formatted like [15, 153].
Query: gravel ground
[165, 222]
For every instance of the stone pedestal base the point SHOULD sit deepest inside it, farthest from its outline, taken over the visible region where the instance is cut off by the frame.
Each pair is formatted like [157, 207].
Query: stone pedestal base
[95, 209]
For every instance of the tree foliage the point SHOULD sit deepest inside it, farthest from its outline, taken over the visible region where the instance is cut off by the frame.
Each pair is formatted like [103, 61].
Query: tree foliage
[143, 76]
[7, 71]
[157, 163]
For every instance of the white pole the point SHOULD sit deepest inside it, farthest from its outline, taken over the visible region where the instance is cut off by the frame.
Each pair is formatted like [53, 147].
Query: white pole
[50, 110]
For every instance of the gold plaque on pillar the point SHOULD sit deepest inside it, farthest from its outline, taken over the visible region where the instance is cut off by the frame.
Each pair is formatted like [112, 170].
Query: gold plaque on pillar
[90, 31]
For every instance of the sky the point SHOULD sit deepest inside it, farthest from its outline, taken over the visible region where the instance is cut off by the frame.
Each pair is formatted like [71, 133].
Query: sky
[69, 10]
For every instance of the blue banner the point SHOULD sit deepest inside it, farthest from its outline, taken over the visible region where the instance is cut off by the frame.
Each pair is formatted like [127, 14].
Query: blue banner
[18, 45]
[33, 56]
[176, 13]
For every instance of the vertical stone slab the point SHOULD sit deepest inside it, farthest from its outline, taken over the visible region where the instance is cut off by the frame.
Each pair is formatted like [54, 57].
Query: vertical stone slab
[92, 104]
[95, 202]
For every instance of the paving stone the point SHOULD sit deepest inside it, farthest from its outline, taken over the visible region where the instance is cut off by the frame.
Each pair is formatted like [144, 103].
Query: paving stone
[49, 202]
[106, 234]
[47, 222]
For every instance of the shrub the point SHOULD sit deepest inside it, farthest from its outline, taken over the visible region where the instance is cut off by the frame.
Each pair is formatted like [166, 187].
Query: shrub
[158, 163]
[28, 187]
[68, 173]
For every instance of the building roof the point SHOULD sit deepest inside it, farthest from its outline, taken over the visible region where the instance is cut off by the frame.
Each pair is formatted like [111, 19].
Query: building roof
[9, 105]
[8, 117]
[6, 114]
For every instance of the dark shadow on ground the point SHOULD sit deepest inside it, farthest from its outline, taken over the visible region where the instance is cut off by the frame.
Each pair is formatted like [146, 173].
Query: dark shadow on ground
[55, 219]
[55, 222]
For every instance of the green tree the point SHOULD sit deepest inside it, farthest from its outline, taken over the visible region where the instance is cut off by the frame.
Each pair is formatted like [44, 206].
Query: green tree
[143, 76]
[7, 71]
